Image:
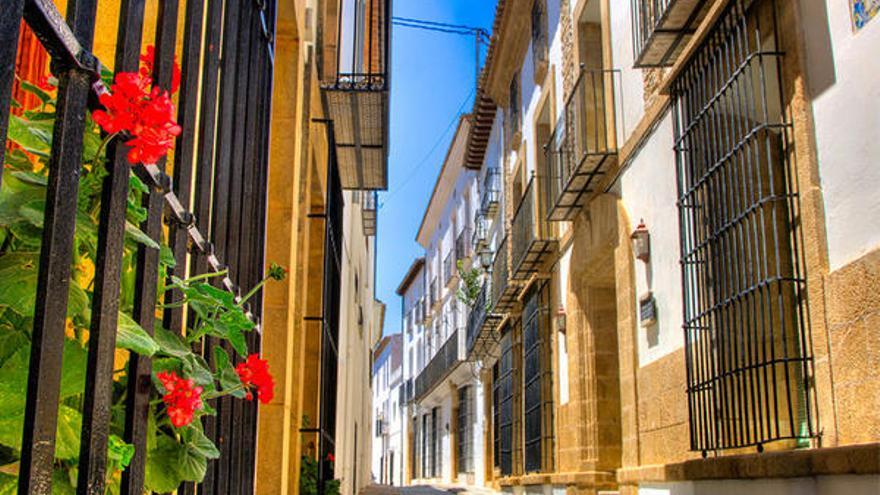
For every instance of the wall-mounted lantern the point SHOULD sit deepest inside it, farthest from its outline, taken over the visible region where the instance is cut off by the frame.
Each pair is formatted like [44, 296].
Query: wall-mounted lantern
[641, 242]
[486, 259]
[560, 319]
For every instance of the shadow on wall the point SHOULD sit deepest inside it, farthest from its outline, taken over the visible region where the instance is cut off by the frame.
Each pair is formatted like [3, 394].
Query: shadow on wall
[820, 56]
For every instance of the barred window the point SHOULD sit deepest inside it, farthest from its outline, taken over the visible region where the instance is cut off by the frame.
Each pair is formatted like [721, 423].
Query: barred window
[503, 407]
[465, 430]
[537, 382]
[747, 338]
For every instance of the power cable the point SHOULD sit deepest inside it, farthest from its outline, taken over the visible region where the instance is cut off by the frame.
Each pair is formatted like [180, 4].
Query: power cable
[430, 152]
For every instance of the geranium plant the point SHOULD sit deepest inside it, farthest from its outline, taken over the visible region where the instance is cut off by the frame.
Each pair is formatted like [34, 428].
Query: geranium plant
[184, 385]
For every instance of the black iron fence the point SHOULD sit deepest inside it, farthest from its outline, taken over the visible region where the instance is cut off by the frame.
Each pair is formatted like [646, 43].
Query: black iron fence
[223, 178]
[537, 381]
[747, 334]
[582, 144]
[477, 316]
[500, 274]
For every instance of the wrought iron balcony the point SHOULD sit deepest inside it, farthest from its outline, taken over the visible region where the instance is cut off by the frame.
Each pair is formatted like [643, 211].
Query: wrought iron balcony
[434, 296]
[355, 84]
[450, 354]
[481, 324]
[450, 269]
[503, 289]
[662, 28]
[481, 232]
[582, 146]
[368, 209]
[490, 197]
[462, 247]
[532, 243]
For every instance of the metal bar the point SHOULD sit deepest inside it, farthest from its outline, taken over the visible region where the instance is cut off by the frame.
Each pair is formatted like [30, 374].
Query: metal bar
[108, 268]
[10, 22]
[53, 279]
[146, 275]
[185, 152]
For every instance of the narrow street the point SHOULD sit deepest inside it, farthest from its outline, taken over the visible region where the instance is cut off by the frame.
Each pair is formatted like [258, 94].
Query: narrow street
[423, 490]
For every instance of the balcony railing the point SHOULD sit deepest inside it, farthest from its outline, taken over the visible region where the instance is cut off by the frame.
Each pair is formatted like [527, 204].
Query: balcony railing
[532, 243]
[481, 232]
[368, 210]
[662, 28]
[434, 295]
[450, 270]
[462, 246]
[450, 354]
[491, 194]
[355, 82]
[503, 289]
[481, 324]
[582, 146]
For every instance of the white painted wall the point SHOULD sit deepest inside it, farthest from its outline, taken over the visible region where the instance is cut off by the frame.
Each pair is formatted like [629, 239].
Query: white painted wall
[648, 190]
[631, 82]
[847, 119]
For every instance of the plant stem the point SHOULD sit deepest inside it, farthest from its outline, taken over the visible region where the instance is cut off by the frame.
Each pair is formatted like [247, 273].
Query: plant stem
[205, 276]
[101, 147]
[252, 292]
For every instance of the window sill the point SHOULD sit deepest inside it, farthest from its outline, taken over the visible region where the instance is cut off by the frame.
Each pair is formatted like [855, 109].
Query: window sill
[854, 459]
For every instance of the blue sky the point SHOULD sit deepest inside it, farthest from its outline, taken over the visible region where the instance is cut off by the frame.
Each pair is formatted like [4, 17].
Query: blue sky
[432, 76]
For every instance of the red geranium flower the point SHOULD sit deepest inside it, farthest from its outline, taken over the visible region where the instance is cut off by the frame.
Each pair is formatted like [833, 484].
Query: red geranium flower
[254, 372]
[182, 398]
[147, 115]
[147, 67]
[331, 457]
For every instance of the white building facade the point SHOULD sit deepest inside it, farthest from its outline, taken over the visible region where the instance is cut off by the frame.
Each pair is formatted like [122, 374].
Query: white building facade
[388, 460]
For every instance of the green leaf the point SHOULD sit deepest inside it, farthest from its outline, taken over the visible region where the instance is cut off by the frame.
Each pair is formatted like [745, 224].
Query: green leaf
[163, 466]
[67, 436]
[31, 136]
[197, 369]
[229, 379]
[166, 256]
[198, 443]
[130, 335]
[8, 484]
[62, 482]
[137, 235]
[221, 296]
[193, 466]
[170, 344]
[119, 453]
[36, 91]
[18, 285]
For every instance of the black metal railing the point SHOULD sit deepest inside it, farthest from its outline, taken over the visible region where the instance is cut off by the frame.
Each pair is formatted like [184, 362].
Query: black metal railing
[503, 406]
[662, 28]
[531, 240]
[582, 144]
[449, 354]
[224, 179]
[500, 275]
[490, 195]
[477, 317]
[747, 336]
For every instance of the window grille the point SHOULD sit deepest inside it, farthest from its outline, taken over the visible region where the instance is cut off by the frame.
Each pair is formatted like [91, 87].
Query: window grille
[539, 35]
[436, 453]
[504, 407]
[465, 430]
[748, 345]
[537, 382]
